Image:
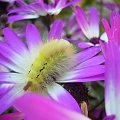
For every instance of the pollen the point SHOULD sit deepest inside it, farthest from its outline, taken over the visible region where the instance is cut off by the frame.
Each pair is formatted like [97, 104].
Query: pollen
[53, 60]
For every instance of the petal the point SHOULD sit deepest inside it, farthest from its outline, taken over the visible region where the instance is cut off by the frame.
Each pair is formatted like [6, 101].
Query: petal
[82, 21]
[63, 97]
[21, 17]
[87, 79]
[7, 77]
[55, 30]
[85, 44]
[32, 35]
[33, 40]
[112, 82]
[10, 56]
[94, 22]
[39, 106]
[107, 28]
[8, 98]
[12, 116]
[92, 62]
[4, 88]
[13, 41]
[87, 54]
[111, 117]
[84, 72]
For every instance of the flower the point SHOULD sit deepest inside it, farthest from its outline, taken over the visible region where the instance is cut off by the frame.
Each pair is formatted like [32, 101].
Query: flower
[35, 107]
[90, 27]
[40, 65]
[38, 8]
[112, 55]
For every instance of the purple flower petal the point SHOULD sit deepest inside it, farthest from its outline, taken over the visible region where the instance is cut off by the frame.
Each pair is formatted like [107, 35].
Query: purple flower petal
[33, 39]
[55, 30]
[21, 17]
[8, 98]
[87, 79]
[82, 21]
[107, 28]
[7, 77]
[12, 116]
[94, 22]
[112, 82]
[92, 62]
[85, 44]
[83, 73]
[13, 41]
[4, 88]
[63, 97]
[87, 54]
[39, 106]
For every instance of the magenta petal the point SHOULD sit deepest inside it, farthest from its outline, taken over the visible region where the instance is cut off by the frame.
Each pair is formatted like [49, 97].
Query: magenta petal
[8, 98]
[39, 106]
[111, 117]
[85, 44]
[13, 40]
[21, 17]
[89, 71]
[4, 88]
[63, 97]
[12, 116]
[94, 22]
[87, 54]
[34, 38]
[55, 30]
[87, 79]
[92, 62]
[107, 28]
[112, 82]
[82, 21]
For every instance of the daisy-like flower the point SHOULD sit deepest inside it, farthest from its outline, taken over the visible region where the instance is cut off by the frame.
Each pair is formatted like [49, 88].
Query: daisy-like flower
[112, 55]
[90, 27]
[40, 65]
[35, 107]
[38, 8]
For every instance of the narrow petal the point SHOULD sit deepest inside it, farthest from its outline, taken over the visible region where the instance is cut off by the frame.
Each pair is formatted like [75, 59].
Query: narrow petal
[112, 82]
[8, 98]
[84, 72]
[87, 79]
[63, 97]
[21, 17]
[39, 106]
[4, 88]
[7, 77]
[34, 38]
[12, 116]
[87, 54]
[12, 57]
[92, 62]
[111, 117]
[85, 45]
[94, 22]
[107, 28]
[82, 21]
[55, 30]
[13, 41]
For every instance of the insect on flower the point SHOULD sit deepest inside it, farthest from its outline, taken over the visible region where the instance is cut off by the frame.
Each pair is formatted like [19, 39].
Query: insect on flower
[38, 66]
